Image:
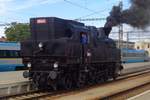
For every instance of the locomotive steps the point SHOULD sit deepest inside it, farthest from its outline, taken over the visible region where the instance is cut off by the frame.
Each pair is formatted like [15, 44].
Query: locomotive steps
[122, 87]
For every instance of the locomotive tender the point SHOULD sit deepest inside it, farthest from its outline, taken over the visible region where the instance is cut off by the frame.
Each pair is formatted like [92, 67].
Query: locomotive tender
[64, 54]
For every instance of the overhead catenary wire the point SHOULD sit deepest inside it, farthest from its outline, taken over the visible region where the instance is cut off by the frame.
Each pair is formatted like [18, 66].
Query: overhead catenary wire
[90, 19]
[94, 13]
[78, 5]
[133, 32]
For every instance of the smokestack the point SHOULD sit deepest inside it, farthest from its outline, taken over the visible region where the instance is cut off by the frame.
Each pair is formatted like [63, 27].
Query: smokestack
[138, 15]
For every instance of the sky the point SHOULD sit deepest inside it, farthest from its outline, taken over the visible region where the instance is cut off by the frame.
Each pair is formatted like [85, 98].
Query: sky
[22, 10]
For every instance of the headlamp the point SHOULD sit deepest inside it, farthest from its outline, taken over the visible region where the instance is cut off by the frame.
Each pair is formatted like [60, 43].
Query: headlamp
[40, 45]
[29, 65]
[55, 65]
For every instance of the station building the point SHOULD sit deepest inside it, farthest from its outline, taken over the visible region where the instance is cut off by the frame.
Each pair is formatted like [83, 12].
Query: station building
[145, 45]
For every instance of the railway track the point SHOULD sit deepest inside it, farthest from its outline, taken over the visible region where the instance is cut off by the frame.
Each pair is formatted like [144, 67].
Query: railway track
[106, 91]
[19, 96]
[32, 95]
[43, 95]
[121, 89]
[131, 91]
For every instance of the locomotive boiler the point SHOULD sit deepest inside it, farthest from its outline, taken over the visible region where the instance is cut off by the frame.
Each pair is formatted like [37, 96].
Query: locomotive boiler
[66, 54]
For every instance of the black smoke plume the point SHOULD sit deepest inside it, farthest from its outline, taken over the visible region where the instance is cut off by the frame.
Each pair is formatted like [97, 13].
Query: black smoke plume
[138, 15]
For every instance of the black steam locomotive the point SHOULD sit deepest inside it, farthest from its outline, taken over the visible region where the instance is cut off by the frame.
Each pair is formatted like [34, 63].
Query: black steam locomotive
[66, 54]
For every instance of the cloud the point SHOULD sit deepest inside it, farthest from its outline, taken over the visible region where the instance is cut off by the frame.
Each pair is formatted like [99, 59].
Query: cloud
[4, 5]
[10, 6]
[2, 29]
[31, 3]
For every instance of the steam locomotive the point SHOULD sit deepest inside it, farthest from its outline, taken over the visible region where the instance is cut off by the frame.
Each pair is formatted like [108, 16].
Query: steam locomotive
[67, 54]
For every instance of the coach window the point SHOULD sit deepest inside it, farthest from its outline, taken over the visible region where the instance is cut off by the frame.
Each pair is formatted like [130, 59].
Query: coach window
[13, 53]
[124, 54]
[2, 53]
[7, 53]
[17, 53]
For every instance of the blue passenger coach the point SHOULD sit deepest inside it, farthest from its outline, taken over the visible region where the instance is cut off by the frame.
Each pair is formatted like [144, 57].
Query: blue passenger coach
[133, 56]
[10, 59]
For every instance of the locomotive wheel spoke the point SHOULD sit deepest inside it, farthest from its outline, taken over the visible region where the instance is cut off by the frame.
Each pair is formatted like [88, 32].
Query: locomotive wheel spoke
[81, 80]
[42, 82]
[90, 79]
[116, 73]
[105, 77]
[36, 84]
[67, 82]
[36, 81]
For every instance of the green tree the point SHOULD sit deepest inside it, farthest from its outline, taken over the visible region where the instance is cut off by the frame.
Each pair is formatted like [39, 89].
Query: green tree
[17, 32]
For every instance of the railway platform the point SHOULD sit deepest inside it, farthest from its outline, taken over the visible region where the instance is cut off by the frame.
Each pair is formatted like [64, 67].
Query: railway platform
[11, 77]
[12, 82]
[143, 96]
[134, 67]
